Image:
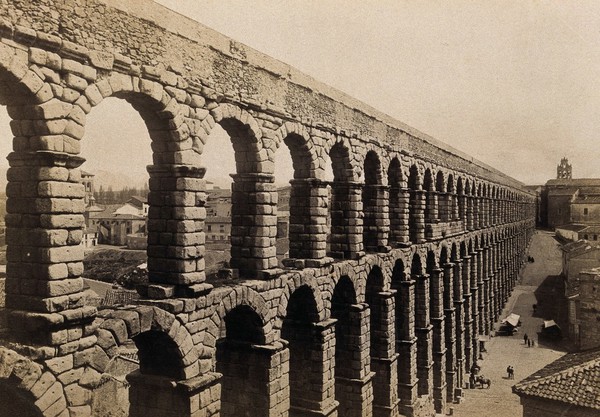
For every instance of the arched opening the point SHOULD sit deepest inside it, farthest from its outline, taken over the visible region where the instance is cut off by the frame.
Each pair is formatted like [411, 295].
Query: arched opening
[160, 364]
[397, 204]
[404, 331]
[436, 309]
[462, 209]
[219, 161]
[307, 352]
[305, 201]
[252, 201]
[442, 197]
[117, 151]
[348, 346]
[158, 354]
[381, 342]
[415, 209]
[421, 319]
[344, 221]
[431, 205]
[372, 199]
[240, 361]
[452, 204]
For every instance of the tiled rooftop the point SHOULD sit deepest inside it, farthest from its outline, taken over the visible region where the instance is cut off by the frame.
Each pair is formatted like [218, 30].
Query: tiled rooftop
[573, 379]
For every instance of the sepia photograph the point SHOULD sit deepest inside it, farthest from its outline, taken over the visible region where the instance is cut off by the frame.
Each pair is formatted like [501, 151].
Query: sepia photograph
[299, 208]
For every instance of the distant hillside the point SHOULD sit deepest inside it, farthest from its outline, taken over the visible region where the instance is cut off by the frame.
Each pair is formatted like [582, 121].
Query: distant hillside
[117, 180]
[106, 179]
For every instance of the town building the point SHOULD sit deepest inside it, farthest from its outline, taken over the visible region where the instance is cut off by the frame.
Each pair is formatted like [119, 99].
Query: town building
[122, 224]
[580, 261]
[565, 200]
[565, 387]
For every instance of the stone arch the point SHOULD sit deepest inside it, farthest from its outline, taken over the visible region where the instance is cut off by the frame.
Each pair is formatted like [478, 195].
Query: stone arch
[246, 138]
[348, 327]
[346, 271]
[292, 284]
[377, 262]
[144, 325]
[33, 389]
[415, 206]
[340, 155]
[240, 296]
[397, 202]
[298, 140]
[375, 230]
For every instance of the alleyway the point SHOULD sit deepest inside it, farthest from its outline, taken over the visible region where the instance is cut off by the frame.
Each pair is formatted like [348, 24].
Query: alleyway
[535, 285]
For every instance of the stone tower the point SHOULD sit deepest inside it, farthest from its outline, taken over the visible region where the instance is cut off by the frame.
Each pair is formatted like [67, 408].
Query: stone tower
[564, 170]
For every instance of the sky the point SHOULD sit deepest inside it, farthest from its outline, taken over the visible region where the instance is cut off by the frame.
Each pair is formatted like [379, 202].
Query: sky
[511, 83]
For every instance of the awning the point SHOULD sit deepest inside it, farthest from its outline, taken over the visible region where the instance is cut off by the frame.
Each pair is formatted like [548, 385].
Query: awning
[512, 319]
[550, 323]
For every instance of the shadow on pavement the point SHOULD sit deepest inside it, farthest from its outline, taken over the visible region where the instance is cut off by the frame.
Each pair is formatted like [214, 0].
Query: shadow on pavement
[552, 305]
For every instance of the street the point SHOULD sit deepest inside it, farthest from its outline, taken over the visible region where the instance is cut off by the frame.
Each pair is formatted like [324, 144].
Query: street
[535, 286]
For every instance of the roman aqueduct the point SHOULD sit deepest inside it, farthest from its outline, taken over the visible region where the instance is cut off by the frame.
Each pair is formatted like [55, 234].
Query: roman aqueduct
[377, 313]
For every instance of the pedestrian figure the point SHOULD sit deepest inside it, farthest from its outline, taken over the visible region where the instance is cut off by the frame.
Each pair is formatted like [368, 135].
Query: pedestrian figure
[508, 371]
[511, 372]
[528, 342]
[525, 338]
[532, 342]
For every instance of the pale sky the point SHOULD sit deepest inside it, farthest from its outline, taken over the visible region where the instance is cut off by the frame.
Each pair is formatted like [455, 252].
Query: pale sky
[512, 83]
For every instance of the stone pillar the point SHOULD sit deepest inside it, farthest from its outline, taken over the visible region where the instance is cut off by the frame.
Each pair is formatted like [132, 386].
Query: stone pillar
[312, 367]
[353, 380]
[308, 223]
[176, 232]
[254, 224]
[444, 206]
[417, 216]
[467, 313]
[346, 239]
[484, 212]
[376, 218]
[459, 322]
[474, 286]
[481, 292]
[159, 396]
[492, 290]
[384, 359]
[423, 330]
[450, 328]
[470, 213]
[487, 319]
[455, 214]
[480, 213]
[406, 346]
[431, 213]
[266, 366]
[399, 201]
[432, 207]
[45, 298]
[438, 339]
[463, 209]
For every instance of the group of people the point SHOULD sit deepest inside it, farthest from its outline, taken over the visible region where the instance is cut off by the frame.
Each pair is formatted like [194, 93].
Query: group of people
[529, 342]
[511, 372]
[530, 259]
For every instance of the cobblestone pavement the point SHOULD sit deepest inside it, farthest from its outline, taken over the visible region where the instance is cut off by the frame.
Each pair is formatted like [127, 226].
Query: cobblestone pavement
[534, 287]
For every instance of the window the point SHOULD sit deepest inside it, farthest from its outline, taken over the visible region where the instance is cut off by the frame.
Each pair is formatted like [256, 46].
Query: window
[585, 236]
[559, 211]
[595, 237]
[585, 211]
[209, 228]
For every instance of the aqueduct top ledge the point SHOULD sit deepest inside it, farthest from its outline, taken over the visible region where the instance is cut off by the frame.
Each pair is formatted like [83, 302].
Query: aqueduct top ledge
[150, 35]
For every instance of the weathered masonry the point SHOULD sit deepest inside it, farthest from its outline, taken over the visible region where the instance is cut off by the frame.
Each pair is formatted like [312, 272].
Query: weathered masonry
[389, 283]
